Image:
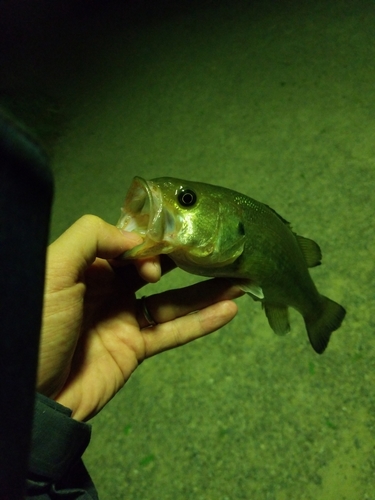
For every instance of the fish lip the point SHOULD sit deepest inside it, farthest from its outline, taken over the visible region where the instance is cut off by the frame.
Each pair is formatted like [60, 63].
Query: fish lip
[144, 214]
[139, 204]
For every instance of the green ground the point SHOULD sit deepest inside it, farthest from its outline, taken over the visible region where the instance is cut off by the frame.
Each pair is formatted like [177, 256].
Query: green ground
[274, 99]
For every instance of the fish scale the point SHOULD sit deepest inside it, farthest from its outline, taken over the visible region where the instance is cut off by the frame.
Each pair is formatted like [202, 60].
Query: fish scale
[213, 231]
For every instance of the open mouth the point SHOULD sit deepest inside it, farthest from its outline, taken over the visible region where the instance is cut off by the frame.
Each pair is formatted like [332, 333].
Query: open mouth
[138, 208]
[143, 213]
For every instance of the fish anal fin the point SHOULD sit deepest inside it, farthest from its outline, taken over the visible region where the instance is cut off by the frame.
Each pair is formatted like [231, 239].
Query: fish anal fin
[278, 318]
[311, 250]
[319, 328]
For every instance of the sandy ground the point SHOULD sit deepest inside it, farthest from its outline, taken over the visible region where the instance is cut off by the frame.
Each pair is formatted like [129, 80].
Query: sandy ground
[274, 99]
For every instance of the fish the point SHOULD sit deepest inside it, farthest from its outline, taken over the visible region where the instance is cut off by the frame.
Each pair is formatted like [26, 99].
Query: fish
[213, 231]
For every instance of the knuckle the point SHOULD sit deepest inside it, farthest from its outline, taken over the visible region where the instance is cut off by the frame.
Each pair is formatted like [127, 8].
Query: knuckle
[89, 221]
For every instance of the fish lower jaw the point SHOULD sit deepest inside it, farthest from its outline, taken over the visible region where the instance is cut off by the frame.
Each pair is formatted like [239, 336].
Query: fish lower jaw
[149, 248]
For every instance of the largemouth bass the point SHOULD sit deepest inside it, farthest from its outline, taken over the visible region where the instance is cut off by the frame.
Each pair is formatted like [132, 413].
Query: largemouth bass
[213, 231]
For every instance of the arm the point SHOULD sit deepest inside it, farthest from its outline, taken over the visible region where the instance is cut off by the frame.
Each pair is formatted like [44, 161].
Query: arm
[56, 469]
[94, 334]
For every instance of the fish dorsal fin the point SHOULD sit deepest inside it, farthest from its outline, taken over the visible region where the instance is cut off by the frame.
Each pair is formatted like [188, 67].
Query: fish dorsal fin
[279, 216]
[311, 250]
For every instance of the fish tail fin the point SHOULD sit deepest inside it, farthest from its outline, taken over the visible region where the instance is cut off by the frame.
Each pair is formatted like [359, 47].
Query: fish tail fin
[320, 328]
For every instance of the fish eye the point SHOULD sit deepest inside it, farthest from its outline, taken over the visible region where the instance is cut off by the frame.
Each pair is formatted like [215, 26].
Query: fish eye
[186, 197]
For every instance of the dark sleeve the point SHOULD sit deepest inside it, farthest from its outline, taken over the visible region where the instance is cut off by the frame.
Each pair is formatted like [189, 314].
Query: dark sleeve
[56, 469]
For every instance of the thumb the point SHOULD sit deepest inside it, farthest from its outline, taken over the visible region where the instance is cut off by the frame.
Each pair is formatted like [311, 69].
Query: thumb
[90, 237]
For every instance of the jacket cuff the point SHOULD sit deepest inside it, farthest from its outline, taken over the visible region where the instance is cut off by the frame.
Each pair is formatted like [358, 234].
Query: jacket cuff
[57, 440]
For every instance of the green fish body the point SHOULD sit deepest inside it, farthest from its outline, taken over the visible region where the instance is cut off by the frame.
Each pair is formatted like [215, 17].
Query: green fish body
[213, 231]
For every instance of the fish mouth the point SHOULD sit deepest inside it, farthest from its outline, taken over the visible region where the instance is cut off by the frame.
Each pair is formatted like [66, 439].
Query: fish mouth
[143, 212]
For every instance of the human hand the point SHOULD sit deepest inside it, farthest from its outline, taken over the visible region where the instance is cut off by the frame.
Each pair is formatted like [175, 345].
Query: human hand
[94, 334]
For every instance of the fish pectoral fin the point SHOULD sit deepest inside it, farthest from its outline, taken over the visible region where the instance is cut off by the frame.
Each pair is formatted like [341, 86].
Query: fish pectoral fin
[278, 318]
[249, 286]
[311, 250]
